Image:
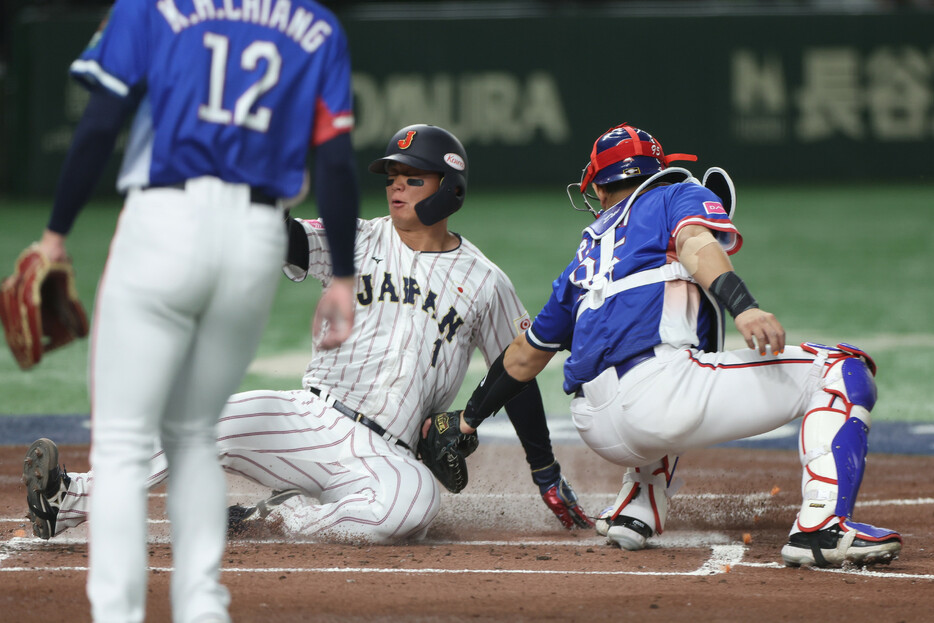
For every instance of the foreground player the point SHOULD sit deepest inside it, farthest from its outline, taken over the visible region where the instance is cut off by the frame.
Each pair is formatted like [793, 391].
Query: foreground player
[639, 307]
[225, 105]
[426, 299]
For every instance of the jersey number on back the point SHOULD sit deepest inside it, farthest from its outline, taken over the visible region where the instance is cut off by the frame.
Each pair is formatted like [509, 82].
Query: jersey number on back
[243, 113]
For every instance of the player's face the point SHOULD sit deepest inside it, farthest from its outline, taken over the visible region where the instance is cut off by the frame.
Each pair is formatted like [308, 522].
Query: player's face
[405, 187]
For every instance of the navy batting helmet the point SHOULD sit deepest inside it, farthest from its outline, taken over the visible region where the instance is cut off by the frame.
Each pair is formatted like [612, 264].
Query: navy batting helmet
[430, 148]
[625, 152]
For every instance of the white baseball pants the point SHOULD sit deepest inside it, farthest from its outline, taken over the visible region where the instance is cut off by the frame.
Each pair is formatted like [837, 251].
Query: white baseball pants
[357, 486]
[683, 399]
[181, 307]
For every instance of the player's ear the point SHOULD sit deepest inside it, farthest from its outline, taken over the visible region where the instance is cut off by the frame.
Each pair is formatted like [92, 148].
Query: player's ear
[598, 192]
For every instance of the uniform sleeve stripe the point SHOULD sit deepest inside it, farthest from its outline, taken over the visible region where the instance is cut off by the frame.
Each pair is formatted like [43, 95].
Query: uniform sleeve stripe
[91, 69]
[328, 125]
[535, 342]
[344, 122]
[734, 240]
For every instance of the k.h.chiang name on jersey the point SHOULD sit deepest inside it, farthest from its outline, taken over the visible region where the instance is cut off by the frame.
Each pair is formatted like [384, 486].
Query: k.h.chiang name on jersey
[238, 53]
[295, 21]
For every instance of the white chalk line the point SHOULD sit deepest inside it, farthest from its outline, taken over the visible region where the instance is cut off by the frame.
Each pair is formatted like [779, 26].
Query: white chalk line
[723, 557]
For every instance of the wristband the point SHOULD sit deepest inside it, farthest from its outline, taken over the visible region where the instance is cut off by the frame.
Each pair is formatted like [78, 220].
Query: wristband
[547, 476]
[732, 293]
[495, 390]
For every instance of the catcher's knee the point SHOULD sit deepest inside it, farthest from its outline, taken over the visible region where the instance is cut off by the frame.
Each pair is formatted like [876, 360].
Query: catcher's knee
[848, 375]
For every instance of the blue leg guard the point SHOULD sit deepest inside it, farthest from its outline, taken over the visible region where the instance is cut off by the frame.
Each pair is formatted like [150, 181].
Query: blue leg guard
[860, 388]
[849, 454]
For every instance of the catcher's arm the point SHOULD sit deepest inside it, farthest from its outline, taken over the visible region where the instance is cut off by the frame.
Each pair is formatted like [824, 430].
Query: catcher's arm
[527, 414]
[508, 375]
[710, 266]
[560, 497]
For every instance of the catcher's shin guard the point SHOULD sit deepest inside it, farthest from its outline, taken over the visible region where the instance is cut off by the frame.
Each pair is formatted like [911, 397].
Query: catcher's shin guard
[833, 442]
[641, 507]
[832, 449]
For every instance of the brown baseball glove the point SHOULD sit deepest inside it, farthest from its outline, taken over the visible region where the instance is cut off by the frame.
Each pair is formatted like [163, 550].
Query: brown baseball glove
[39, 307]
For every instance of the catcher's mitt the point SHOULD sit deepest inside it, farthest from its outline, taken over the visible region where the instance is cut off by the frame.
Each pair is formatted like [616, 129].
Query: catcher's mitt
[39, 307]
[445, 449]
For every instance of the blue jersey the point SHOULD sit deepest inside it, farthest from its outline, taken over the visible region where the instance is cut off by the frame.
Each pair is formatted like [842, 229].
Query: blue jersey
[235, 89]
[612, 303]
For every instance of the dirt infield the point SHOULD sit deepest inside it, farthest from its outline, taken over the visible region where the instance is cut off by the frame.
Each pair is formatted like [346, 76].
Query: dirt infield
[495, 553]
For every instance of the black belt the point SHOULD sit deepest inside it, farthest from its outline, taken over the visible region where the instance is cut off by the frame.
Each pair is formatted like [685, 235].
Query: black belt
[359, 417]
[625, 366]
[256, 195]
[632, 362]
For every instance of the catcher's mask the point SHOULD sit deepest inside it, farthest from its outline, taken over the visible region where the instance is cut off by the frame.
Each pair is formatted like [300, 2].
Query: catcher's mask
[430, 148]
[621, 153]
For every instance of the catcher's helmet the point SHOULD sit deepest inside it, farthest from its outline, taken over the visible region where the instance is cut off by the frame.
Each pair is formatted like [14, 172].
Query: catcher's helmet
[430, 148]
[625, 152]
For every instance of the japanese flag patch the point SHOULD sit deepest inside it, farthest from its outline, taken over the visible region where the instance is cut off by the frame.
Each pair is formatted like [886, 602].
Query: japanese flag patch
[714, 207]
[522, 323]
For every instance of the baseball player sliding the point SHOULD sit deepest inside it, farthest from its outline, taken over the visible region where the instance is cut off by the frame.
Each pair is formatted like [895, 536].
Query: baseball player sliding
[339, 451]
[639, 307]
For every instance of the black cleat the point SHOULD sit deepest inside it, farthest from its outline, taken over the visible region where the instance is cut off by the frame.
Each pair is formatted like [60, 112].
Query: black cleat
[848, 542]
[46, 484]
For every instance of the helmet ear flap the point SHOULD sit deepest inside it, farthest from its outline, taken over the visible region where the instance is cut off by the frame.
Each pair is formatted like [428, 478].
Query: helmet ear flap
[445, 202]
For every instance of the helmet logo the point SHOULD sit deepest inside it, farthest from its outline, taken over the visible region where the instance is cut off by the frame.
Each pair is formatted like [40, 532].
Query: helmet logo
[454, 161]
[407, 141]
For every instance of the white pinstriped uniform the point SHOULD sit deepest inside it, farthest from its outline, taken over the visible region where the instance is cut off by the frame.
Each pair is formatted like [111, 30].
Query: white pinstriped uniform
[419, 317]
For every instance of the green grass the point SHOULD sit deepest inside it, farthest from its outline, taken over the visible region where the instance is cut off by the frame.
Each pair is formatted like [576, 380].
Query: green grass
[834, 263]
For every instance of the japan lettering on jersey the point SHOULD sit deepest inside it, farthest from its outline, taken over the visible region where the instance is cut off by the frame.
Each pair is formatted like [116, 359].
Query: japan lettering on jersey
[610, 330]
[236, 89]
